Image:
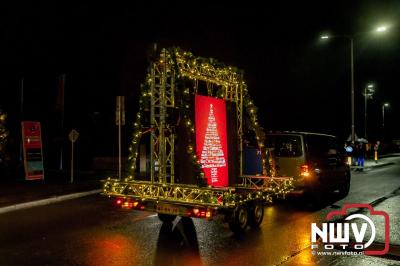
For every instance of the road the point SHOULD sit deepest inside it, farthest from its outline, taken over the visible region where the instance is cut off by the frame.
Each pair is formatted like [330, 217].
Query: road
[91, 231]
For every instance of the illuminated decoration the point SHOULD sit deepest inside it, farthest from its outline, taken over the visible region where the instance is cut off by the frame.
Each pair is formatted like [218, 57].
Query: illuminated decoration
[165, 102]
[3, 135]
[211, 139]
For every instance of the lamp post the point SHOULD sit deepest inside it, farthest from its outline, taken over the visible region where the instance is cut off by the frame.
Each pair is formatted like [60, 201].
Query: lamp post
[379, 29]
[350, 38]
[383, 119]
[368, 92]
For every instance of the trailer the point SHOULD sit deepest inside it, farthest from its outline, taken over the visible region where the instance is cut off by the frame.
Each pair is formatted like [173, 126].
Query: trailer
[192, 135]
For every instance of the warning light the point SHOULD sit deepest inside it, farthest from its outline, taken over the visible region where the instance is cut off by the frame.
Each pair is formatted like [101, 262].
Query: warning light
[119, 202]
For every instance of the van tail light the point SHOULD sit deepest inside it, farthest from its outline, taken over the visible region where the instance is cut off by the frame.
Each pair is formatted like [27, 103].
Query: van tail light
[304, 170]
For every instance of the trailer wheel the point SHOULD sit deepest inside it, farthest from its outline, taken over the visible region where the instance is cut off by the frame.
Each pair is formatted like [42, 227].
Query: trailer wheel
[166, 218]
[239, 220]
[256, 215]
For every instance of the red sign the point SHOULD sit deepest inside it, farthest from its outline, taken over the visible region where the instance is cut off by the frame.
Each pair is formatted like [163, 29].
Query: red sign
[211, 139]
[32, 144]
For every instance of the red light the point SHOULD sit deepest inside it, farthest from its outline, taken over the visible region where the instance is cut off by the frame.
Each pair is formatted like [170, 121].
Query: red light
[304, 170]
[119, 201]
[195, 211]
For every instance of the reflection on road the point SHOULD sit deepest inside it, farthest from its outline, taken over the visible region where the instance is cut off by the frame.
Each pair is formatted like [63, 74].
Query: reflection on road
[178, 245]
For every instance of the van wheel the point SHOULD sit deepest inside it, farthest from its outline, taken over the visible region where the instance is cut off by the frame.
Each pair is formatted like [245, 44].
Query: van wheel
[256, 215]
[345, 187]
[239, 219]
[166, 218]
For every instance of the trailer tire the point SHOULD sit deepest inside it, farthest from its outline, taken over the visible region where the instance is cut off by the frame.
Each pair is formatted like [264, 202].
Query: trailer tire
[256, 215]
[239, 219]
[166, 218]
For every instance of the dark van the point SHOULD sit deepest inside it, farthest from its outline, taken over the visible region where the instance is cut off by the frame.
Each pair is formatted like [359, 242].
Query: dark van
[315, 161]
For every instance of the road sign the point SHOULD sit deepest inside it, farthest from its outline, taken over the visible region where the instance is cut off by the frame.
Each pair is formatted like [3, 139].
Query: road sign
[73, 135]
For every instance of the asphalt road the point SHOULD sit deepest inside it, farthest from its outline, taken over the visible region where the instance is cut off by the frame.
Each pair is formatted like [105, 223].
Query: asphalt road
[91, 231]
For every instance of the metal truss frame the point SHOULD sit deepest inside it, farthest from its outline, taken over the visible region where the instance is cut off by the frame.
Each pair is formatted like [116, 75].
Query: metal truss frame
[162, 77]
[192, 195]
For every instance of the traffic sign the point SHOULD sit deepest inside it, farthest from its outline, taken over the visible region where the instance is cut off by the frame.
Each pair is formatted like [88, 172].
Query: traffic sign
[73, 135]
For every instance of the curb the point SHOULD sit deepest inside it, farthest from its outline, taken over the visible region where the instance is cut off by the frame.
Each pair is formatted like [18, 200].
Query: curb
[379, 165]
[373, 166]
[47, 201]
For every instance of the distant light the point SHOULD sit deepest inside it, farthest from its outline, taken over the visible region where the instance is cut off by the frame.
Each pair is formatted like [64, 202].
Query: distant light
[324, 37]
[381, 29]
[386, 104]
[370, 85]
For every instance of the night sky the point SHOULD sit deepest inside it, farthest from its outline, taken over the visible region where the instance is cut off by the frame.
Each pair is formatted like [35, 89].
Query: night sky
[297, 81]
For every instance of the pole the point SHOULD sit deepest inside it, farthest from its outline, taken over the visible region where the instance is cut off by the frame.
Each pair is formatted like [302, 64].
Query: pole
[383, 121]
[352, 93]
[61, 102]
[365, 113]
[72, 162]
[21, 148]
[119, 138]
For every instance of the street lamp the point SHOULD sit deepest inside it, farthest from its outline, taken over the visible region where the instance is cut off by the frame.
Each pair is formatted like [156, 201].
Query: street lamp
[382, 28]
[368, 92]
[379, 29]
[383, 119]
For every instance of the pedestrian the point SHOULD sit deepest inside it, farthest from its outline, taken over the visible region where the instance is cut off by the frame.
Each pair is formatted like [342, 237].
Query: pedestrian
[360, 152]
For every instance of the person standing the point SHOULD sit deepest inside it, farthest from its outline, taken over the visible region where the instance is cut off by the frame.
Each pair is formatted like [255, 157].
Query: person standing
[360, 150]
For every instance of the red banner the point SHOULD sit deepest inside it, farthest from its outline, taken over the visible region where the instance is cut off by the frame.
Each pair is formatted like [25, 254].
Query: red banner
[32, 144]
[211, 139]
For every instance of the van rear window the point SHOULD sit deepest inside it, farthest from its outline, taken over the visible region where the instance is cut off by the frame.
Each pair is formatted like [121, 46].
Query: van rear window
[285, 145]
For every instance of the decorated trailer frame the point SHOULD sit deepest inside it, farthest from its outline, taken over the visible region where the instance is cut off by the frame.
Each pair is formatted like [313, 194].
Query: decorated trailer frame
[177, 85]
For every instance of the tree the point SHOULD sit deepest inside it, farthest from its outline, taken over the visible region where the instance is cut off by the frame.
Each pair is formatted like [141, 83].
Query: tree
[212, 155]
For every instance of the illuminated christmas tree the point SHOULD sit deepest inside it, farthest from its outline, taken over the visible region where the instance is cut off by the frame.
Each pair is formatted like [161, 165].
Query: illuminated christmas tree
[212, 155]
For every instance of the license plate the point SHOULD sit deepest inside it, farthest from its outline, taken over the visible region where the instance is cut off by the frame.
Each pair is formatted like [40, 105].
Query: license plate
[170, 209]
